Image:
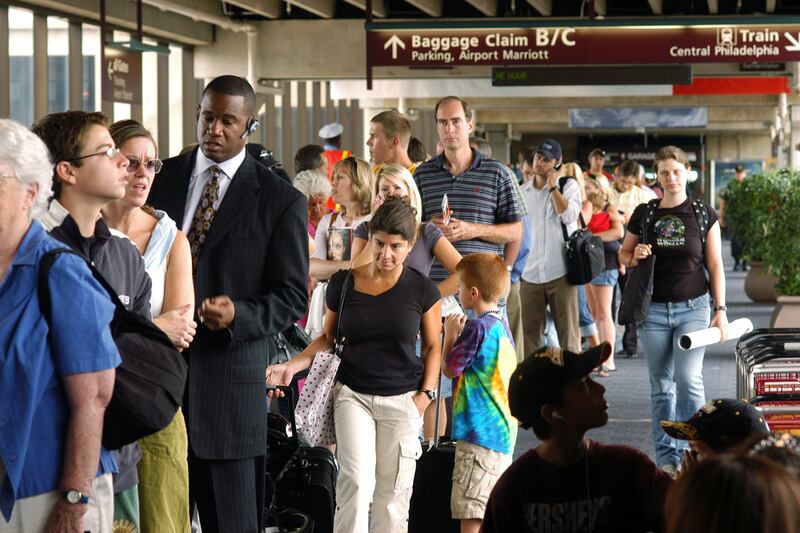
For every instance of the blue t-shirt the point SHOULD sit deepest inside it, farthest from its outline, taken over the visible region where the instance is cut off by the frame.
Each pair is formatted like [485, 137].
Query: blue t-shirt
[484, 358]
[34, 411]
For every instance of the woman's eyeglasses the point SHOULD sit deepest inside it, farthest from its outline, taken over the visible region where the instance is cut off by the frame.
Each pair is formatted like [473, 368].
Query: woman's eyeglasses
[153, 165]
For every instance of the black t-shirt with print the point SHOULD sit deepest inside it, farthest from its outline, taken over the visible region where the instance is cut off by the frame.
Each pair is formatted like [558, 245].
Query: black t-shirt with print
[380, 332]
[679, 272]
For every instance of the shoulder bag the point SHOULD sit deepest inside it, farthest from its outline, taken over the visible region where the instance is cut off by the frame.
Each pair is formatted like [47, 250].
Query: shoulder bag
[149, 383]
[583, 251]
[638, 291]
[314, 411]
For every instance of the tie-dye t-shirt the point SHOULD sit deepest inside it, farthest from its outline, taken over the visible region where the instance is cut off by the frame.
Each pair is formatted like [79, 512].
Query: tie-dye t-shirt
[484, 358]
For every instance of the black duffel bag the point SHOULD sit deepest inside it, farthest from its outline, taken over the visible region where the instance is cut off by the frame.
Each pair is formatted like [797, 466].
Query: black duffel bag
[149, 383]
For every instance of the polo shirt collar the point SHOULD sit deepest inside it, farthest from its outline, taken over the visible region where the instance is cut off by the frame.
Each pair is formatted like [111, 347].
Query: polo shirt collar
[476, 160]
[60, 218]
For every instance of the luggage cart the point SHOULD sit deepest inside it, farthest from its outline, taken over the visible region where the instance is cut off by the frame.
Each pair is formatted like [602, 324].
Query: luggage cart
[768, 375]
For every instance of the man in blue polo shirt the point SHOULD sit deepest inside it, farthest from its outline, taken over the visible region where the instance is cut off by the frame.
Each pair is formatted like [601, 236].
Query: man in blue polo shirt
[56, 376]
[484, 214]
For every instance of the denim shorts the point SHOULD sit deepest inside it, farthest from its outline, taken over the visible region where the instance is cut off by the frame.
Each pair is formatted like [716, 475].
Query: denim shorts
[607, 277]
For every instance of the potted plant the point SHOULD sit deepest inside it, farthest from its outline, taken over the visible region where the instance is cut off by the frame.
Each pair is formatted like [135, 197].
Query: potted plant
[781, 248]
[747, 205]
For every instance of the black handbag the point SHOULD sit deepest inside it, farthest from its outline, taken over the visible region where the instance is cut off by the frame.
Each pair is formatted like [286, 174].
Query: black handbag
[149, 383]
[287, 344]
[638, 291]
[585, 254]
[583, 250]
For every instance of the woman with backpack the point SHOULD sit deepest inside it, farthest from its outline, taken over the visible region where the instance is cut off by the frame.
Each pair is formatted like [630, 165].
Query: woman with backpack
[684, 237]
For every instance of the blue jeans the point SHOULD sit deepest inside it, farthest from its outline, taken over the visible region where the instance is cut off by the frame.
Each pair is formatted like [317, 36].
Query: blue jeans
[676, 376]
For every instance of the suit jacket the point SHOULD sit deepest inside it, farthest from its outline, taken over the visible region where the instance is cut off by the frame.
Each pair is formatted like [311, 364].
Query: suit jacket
[256, 252]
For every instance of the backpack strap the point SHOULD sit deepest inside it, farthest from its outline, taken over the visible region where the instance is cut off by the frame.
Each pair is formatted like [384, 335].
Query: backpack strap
[701, 216]
[43, 288]
[649, 216]
[562, 182]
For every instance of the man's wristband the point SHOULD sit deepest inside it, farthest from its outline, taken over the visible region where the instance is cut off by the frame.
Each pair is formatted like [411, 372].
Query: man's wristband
[720, 308]
[552, 189]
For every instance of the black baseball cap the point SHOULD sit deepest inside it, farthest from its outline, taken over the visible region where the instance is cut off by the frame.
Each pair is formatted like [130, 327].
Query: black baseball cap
[544, 373]
[597, 151]
[720, 423]
[550, 148]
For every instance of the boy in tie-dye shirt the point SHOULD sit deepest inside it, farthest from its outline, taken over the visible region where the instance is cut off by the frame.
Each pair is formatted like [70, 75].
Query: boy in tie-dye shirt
[481, 354]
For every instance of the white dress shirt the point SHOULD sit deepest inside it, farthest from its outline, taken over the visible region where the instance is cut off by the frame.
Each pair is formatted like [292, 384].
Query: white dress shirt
[546, 260]
[200, 176]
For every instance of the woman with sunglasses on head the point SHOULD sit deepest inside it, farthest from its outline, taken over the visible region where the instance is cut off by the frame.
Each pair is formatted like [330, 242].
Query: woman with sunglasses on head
[163, 470]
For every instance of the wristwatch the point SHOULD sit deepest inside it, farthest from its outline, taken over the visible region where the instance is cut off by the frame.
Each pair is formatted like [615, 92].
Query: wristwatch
[431, 393]
[720, 308]
[552, 189]
[75, 496]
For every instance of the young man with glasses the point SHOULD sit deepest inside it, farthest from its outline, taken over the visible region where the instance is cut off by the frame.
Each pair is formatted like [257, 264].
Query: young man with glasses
[89, 172]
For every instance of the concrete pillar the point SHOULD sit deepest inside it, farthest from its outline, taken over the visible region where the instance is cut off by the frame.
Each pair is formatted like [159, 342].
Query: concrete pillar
[162, 101]
[191, 97]
[359, 138]
[302, 115]
[286, 122]
[344, 119]
[330, 108]
[318, 112]
[75, 59]
[794, 137]
[5, 83]
[269, 123]
[40, 81]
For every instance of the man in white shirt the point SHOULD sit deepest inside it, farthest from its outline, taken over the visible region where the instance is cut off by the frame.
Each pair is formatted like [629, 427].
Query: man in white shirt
[544, 279]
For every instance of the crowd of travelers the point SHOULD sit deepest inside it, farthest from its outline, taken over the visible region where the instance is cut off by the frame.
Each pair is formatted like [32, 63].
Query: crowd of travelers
[430, 276]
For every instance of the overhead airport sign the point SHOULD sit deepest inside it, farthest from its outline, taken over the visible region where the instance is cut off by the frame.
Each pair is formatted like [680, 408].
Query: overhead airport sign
[581, 45]
[122, 76]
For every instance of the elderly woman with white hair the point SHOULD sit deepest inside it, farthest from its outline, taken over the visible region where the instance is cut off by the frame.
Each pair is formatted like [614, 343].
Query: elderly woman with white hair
[56, 368]
[317, 189]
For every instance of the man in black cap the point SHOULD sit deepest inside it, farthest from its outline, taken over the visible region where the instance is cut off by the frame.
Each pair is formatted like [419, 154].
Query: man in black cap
[551, 202]
[569, 483]
[737, 248]
[717, 427]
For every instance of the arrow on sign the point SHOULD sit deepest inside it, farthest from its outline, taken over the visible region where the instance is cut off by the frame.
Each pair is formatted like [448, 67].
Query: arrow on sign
[795, 47]
[394, 41]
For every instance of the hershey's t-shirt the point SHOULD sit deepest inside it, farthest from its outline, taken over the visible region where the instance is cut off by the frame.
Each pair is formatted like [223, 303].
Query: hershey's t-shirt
[380, 332]
[626, 493]
[679, 272]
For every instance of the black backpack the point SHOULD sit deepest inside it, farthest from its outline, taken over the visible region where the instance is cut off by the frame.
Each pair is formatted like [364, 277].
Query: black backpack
[584, 251]
[149, 383]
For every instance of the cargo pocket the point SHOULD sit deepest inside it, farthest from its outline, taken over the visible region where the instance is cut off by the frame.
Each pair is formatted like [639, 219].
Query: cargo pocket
[410, 451]
[485, 472]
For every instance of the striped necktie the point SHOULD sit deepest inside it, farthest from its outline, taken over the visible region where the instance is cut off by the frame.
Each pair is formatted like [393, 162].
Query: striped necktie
[204, 214]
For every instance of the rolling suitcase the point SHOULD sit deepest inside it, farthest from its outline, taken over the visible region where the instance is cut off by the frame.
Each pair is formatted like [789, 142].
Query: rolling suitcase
[433, 481]
[303, 485]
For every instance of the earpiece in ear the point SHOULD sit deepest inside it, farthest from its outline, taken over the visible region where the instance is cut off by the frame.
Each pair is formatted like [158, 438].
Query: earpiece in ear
[557, 416]
[251, 127]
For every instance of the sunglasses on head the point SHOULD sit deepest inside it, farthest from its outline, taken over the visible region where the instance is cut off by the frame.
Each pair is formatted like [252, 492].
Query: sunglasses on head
[153, 165]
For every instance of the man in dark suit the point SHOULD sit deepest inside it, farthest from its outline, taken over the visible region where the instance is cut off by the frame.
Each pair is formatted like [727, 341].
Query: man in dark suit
[247, 232]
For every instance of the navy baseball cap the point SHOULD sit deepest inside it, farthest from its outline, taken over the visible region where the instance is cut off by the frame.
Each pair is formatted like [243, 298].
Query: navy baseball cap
[546, 371]
[550, 148]
[720, 423]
